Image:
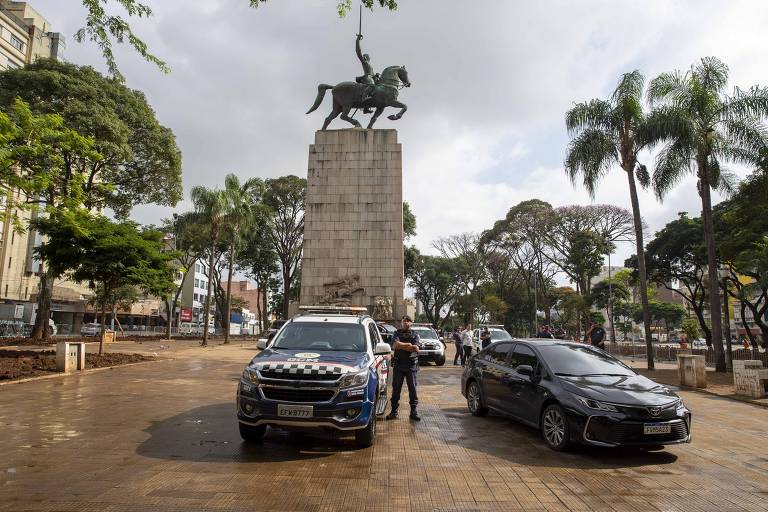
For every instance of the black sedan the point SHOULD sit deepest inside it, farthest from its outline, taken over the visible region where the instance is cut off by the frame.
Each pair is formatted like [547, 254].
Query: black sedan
[574, 393]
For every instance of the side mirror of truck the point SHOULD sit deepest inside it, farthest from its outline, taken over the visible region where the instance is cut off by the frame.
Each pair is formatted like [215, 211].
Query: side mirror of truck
[261, 343]
[382, 349]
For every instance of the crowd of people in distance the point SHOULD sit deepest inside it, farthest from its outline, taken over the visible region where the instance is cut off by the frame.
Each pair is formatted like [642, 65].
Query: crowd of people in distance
[462, 338]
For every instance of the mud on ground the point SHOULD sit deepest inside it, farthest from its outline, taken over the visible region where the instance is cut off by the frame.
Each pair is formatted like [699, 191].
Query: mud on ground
[22, 364]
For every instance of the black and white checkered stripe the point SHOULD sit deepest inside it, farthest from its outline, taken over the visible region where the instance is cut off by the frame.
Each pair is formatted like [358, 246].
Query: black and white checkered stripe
[304, 368]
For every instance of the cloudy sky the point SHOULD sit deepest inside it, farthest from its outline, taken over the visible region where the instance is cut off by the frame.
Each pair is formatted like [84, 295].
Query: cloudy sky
[491, 83]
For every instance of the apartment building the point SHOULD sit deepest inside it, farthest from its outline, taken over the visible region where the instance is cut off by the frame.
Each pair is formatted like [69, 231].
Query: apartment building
[25, 36]
[194, 292]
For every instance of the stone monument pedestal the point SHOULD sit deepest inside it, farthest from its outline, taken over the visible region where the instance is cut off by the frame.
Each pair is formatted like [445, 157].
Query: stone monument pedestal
[353, 222]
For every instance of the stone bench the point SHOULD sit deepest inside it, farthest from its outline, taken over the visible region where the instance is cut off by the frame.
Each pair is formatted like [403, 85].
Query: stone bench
[750, 378]
[693, 370]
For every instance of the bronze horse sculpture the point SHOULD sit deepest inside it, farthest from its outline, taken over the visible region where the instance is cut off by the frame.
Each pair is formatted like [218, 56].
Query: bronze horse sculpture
[352, 95]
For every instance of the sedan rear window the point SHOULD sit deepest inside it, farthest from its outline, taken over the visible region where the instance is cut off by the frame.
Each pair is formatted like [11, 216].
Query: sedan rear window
[322, 336]
[581, 360]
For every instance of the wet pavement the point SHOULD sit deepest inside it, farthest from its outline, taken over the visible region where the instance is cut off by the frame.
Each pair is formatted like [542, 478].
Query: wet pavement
[162, 436]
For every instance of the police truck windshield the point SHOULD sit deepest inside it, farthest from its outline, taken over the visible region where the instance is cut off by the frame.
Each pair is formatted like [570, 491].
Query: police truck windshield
[321, 336]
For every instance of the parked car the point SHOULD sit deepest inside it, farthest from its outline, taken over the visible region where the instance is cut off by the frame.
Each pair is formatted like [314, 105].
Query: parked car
[386, 331]
[432, 348]
[498, 333]
[92, 329]
[326, 368]
[574, 393]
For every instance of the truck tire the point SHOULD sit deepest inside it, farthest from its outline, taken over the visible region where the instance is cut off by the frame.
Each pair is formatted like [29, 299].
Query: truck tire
[251, 434]
[440, 361]
[366, 436]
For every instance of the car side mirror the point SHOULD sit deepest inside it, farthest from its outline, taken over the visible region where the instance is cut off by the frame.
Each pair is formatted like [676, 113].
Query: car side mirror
[525, 369]
[261, 343]
[382, 349]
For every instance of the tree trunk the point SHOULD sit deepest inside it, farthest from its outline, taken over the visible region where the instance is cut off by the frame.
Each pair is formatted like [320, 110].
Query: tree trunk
[103, 320]
[41, 330]
[207, 306]
[642, 274]
[744, 323]
[229, 290]
[715, 310]
[727, 329]
[286, 291]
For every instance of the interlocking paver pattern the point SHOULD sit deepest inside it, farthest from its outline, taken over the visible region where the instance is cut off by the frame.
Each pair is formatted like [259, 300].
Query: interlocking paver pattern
[162, 437]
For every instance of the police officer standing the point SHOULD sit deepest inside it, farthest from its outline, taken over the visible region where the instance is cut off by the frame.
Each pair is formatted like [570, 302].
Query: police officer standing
[405, 364]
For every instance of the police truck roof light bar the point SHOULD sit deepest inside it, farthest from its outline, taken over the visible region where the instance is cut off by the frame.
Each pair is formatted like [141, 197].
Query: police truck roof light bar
[349, 310]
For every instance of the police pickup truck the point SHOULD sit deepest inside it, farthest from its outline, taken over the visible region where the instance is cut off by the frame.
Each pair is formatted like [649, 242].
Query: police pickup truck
[325, 368]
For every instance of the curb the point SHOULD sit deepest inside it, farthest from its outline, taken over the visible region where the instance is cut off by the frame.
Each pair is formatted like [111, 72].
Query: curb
[735, 398]
[81, 372]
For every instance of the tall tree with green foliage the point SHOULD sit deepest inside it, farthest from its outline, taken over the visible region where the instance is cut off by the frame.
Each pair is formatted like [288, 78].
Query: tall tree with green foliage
[702, 128]
[434, 281]
[741, 226]
[607, 133]
[258, 260]
[131, 158]
[285, 198]
[677, 255]
[211, 207]
[92, 249]
[242, 200]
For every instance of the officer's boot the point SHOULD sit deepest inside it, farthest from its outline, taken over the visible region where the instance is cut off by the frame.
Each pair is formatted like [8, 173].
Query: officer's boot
[392, 414]
[415, 415]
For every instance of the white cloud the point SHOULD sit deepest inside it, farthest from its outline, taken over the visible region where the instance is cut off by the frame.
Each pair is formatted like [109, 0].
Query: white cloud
[490, 79]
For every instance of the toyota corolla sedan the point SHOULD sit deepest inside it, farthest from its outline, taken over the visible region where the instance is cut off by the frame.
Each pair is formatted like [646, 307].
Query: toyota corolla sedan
[574, 393]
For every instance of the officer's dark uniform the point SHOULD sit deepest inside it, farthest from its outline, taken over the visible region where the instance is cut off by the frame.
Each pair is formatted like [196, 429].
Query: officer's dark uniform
[404, 367]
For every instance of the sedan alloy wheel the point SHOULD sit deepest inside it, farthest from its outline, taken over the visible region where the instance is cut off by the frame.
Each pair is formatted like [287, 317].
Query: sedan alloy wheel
[554, 427]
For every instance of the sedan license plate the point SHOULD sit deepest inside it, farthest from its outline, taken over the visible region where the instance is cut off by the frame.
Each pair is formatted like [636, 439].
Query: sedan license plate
[294, 411]
[657, 428]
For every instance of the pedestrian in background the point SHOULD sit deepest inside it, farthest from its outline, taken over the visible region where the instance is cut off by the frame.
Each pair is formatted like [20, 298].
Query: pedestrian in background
[466, 341]
[459, 347]
[485, 337]
[596, 335]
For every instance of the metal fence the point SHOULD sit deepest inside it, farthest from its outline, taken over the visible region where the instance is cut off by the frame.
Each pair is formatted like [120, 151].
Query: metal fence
[669, 352]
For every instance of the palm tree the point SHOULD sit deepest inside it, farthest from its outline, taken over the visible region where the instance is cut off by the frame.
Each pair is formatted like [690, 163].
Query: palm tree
[242, 201]
[211, 206]
[701, 127]
[609, 132]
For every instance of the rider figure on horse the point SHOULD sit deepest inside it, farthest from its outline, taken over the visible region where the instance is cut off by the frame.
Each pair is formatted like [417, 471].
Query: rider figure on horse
[369, 78]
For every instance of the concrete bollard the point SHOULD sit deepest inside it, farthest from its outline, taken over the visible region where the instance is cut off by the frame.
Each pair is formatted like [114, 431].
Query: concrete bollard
[693, 370]
[70, 356]
[750, 378]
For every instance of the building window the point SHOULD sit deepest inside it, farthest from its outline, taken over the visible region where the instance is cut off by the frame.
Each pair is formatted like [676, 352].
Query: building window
[197, 283]
[6, 290]
[9, 262]
[195, 296]
[17, 43]
[197, 267]
[26, 292]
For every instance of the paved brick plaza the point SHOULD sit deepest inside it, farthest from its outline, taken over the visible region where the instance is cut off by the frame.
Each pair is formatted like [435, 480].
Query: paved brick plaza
[162, 436]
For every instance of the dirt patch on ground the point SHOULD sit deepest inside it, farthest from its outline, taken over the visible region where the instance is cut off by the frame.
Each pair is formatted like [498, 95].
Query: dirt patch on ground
[28, 342]
[22, 364]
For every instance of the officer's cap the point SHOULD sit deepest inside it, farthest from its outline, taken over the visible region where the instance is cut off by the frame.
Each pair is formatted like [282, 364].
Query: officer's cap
[406, 318]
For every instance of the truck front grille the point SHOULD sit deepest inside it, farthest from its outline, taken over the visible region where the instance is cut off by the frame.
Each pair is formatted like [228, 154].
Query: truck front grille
[298, 394]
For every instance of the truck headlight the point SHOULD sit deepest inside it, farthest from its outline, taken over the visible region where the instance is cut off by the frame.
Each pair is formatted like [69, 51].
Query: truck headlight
[353, 380]
[594, 404]
[250, 375]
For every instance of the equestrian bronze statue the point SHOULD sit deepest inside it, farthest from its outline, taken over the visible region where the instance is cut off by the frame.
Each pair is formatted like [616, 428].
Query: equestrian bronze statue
[370, 92]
